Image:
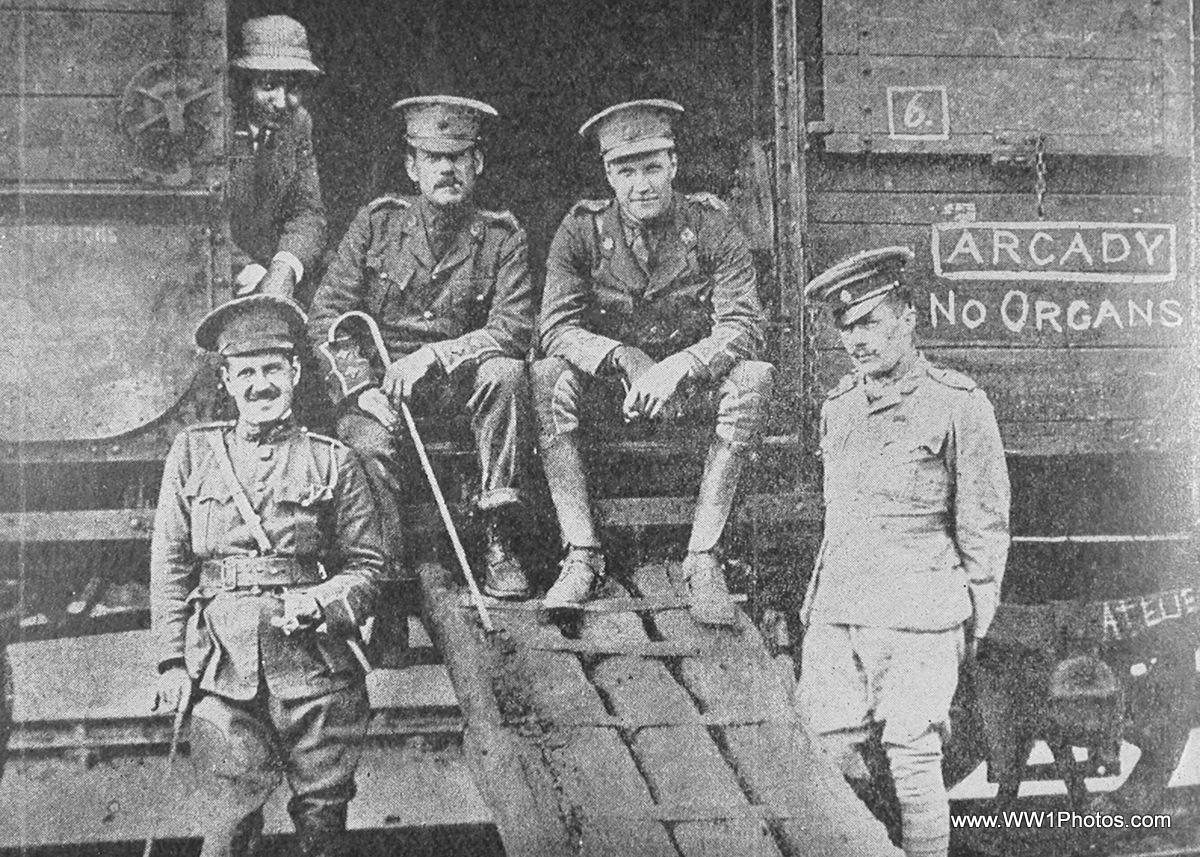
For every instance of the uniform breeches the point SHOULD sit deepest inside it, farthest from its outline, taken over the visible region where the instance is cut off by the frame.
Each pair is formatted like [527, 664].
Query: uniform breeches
[852, 676]
[496, 397]
[242, 749]
[739, 399]
[562, 394]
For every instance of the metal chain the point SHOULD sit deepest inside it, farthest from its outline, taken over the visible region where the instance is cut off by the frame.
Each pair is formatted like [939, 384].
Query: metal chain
[1040, 168]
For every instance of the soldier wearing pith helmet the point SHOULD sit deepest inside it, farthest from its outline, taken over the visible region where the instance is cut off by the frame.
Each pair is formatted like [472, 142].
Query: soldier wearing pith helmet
[916, 538]
[265, 564]
[448, 283]
[650, 301]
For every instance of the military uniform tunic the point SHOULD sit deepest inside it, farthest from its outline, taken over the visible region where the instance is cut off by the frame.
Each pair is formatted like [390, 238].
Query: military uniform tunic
[700, 294]
[916, 505]
[315, 506]
[691, 289]
[269, 702]
[474, 302]
[473, 307]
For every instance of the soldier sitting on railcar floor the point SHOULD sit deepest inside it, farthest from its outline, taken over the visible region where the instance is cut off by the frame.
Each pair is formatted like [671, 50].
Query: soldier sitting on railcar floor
[266, 560]
[916, 538]
[655, 292]
[276, 216]
[449, 285]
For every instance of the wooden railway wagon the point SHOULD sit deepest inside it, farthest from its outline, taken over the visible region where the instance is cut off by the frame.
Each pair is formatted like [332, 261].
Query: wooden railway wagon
[1020, 149]
[1038, 157]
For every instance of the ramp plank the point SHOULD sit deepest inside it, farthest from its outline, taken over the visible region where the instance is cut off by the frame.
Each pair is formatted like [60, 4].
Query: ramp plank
[515, 786]
[774, 761]
[601, 786]
[682, 765]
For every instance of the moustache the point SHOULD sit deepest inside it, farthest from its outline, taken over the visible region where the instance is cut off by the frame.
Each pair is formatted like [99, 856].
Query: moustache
[267, 395]
[450, 183]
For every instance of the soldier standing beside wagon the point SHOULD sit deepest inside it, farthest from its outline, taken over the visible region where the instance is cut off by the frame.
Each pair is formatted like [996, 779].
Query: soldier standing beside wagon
[916, 538]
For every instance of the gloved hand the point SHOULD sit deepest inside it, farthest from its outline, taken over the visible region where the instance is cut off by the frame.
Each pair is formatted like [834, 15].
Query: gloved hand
[402, 376]
[300, 611]
[279, 281]
[248, 279]
[375, 403]
[652, 389]
[630, 362]
[173, 690]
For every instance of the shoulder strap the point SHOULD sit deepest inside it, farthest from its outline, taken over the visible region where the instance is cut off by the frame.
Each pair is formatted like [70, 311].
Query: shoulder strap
[217, 442]
[312, 438]
[486, 251]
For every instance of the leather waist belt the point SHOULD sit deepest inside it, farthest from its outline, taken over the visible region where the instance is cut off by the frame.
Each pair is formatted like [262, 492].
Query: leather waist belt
[921, 523]
[246, 572]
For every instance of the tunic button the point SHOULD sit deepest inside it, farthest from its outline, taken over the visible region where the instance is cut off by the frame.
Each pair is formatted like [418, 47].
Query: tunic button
[479, 298]
[265, 453]
[428, 314]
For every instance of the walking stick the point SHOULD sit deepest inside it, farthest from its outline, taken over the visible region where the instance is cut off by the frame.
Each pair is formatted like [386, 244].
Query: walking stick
[439, 498]
[176, 730]
[476, 595]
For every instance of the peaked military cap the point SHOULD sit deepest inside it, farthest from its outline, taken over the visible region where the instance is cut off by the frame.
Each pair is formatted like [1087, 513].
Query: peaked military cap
[633, 127]
[855, 286]
[275, 43]
[252, 323]
[445, 124]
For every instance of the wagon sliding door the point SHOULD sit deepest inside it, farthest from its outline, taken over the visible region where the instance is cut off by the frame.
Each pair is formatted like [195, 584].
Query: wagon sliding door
[111, 158]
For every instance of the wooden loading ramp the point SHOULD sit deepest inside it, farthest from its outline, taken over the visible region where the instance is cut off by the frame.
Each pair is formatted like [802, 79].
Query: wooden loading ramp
[631, 731]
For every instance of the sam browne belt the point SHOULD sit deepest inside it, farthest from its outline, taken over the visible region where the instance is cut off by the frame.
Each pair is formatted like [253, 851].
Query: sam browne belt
[245, 572]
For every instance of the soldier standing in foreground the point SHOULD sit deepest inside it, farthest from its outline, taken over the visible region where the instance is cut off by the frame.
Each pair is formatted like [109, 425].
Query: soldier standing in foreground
[448, 283]
[655, 290]
[916, 538]
[265, 562]
[276, 216]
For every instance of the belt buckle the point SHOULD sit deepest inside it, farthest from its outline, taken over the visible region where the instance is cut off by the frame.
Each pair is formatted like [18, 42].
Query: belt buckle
[229, 573]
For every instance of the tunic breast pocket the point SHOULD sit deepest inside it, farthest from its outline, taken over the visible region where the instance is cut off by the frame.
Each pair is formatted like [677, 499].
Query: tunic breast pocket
[477, 301]
[914, 471]
[211, 504]
[382, 284]
[302, 505]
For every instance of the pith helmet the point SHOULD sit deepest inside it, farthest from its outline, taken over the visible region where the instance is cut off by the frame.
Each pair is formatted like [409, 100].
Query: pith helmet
[250, 324]
[855, 286]
[634, 127]
[275, 43]
[445, 124]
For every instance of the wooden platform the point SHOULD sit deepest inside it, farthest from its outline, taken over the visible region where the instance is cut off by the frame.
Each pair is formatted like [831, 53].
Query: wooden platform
[634, 730]
[87, 756]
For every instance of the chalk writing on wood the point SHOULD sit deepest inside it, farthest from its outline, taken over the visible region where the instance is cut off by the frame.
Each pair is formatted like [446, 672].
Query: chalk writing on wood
[1063, 252]
[918, 113]
[1027, 311]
